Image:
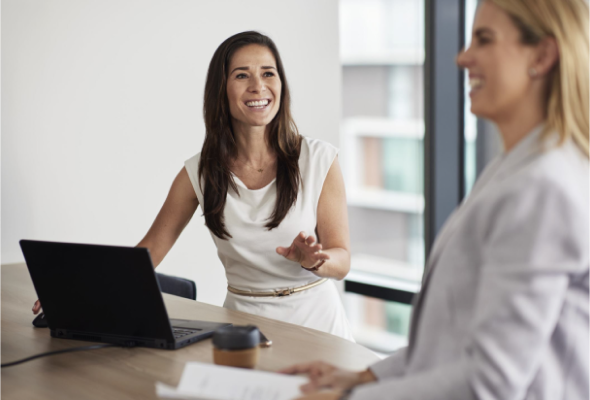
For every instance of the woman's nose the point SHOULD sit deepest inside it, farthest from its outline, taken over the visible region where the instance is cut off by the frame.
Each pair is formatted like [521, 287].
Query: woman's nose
[256, 85]
[463, 59]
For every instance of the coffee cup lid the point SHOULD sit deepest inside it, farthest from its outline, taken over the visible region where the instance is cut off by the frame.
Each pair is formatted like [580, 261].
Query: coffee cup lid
[236, 337]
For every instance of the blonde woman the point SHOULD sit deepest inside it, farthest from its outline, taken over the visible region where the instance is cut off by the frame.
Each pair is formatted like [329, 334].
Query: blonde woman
[503, 312]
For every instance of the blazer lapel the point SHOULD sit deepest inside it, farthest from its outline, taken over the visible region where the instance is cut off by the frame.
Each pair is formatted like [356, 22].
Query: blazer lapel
[443, 237]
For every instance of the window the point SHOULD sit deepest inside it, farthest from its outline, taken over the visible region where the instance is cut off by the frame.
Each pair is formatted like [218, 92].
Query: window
[382, 158]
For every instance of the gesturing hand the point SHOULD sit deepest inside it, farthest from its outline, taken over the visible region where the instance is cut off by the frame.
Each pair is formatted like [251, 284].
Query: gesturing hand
[304, 251]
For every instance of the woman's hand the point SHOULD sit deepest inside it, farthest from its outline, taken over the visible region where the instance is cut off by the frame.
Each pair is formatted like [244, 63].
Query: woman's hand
[305, 251]
[36, 307]
[326, 376]
[331, 395]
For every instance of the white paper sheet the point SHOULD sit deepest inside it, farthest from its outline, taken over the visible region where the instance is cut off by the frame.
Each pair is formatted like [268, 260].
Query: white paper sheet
[213, 382]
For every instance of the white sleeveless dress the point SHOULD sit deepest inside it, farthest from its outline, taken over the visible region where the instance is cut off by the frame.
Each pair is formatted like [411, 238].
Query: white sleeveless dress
[249, 257]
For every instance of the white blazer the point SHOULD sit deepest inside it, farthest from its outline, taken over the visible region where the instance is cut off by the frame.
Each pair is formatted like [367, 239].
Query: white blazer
[503, 311]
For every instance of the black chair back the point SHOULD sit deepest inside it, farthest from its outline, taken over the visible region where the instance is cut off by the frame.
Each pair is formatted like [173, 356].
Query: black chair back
[177, 286]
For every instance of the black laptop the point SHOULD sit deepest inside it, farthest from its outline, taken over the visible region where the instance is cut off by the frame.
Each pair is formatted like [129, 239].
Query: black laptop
[106, 294]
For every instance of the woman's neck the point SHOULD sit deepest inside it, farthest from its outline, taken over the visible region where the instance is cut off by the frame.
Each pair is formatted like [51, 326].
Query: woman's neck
[517, 122]
[252, 145]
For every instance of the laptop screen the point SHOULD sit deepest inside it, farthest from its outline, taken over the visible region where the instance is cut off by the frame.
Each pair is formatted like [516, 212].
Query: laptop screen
[97, 289]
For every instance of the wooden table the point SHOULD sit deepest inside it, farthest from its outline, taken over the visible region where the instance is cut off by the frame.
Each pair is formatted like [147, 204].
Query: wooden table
[121, 373]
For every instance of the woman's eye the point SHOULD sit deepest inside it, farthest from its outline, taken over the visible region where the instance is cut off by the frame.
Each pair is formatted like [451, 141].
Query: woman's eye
[483, 40]
[241, 76]
[269, 74]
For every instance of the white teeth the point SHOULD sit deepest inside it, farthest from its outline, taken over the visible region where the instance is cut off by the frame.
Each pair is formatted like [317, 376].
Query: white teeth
[475, 82]
[257, 103]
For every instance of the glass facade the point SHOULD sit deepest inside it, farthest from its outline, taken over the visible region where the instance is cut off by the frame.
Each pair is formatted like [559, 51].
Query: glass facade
[382, 158]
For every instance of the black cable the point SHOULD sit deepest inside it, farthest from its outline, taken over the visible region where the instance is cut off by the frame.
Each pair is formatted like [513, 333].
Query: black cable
[94, 346]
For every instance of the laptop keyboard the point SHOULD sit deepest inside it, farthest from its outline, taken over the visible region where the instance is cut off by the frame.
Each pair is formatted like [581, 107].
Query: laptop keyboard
[181, 332]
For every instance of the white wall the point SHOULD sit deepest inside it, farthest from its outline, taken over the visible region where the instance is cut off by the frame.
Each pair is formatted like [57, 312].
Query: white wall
[102, 103]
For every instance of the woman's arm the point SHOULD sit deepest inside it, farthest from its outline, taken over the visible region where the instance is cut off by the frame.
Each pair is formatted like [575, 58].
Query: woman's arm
[177, 211]
[332, 246]
[332, 228]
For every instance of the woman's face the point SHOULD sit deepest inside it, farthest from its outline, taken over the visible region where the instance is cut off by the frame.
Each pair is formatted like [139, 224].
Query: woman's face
[498, 64]
[253, 86]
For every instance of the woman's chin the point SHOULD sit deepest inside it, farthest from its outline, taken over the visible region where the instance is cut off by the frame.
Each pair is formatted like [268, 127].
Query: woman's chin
[260, 123]
[479, 110]
[262, 120]
[247, 123]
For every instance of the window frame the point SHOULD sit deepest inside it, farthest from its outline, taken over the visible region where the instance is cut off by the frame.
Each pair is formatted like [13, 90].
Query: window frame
[444, 185]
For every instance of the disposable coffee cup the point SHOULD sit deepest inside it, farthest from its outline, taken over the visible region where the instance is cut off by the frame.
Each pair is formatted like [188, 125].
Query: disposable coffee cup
[236, 346]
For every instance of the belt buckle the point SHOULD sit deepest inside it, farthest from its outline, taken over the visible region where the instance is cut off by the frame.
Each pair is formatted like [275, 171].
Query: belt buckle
[284, 292]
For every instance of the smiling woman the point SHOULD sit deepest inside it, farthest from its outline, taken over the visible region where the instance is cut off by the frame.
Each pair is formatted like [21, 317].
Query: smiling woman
[272, 199]
[249, 67]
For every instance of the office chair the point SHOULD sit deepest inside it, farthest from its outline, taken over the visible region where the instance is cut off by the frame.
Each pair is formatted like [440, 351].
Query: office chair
[177, 286]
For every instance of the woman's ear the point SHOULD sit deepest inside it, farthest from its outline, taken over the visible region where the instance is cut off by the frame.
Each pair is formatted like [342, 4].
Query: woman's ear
[547, 56]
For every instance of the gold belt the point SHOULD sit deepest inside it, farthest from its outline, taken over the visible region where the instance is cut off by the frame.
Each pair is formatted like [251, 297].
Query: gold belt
[276, 293]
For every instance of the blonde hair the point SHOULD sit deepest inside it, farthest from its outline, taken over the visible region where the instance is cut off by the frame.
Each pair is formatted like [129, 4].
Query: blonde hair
[567, 103]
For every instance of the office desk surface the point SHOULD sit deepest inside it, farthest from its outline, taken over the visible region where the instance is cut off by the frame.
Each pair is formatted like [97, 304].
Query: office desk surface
[119, 373]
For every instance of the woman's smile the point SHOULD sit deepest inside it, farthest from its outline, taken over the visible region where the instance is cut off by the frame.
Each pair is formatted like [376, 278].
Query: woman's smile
[476, 83]
[258, 104]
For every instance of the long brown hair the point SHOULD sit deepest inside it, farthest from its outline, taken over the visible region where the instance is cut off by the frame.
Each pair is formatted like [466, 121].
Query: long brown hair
[220, 148]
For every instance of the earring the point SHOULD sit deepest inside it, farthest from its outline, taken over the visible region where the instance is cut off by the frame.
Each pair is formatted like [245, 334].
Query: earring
[532, 72]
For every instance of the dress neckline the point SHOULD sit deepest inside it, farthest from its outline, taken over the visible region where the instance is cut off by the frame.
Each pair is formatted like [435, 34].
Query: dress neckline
[239, 181]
